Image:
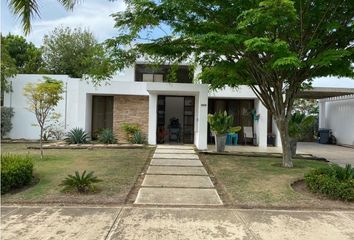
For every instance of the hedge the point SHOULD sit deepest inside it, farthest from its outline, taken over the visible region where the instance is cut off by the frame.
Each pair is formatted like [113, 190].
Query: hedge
[16, 171]
[333, 181]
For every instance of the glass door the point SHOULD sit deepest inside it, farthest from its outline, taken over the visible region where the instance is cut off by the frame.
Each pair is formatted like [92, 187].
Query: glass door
[161, 131]
[188, 120]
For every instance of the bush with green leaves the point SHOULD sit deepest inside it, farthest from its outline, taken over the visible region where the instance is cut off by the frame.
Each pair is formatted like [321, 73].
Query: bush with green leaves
[333, 181]
[130, 129]
[6, 125]
[81, 183]
[106, 136]
[16, 171]
[301, 125]
[138, 138]
[76, 136]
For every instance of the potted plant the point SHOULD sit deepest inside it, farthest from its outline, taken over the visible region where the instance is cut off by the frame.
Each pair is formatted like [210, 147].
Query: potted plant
[299, 126]
[220, 124]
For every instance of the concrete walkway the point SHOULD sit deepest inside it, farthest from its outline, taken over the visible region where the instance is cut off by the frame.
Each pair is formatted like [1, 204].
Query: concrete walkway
[176, 176]
[46, 222]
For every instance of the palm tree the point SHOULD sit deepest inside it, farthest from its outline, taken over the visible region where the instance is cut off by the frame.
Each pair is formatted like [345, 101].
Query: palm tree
[26, 9]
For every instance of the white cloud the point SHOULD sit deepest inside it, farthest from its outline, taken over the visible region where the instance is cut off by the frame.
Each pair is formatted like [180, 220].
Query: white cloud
[89, 14]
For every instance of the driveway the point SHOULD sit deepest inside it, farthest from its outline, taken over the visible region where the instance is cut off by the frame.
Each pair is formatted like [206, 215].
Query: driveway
[48, 222]
[334, 153]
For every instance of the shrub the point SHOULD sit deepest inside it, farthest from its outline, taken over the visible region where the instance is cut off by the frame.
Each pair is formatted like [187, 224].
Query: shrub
[106, 136]
[16, 171]
[6, 114]
[82, 184]
[333, 181]
[76, 136]
[138, 138]
[130, 129]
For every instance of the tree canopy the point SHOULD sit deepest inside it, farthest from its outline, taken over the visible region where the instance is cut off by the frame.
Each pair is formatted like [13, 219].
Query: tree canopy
[18, 56]
[27, 57]
[274, 46]
[77, 53]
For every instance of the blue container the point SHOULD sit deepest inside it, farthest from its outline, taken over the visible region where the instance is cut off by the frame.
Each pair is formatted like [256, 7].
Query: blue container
[231, 139]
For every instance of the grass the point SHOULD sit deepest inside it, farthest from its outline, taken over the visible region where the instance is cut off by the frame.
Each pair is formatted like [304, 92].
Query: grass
[262, 182]
[118, 168]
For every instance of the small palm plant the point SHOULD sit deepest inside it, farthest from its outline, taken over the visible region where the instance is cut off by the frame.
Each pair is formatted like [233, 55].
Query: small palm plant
[299, 125]
[82, 184]
[76, 136]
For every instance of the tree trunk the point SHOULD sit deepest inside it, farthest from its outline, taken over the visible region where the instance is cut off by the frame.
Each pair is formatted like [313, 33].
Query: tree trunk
[283, 124]
[41, 143]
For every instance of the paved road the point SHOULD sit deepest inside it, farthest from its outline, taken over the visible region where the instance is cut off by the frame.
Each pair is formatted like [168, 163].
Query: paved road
[49, 222]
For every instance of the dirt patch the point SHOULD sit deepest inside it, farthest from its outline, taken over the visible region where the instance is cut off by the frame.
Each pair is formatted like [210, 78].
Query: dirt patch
[281, 165]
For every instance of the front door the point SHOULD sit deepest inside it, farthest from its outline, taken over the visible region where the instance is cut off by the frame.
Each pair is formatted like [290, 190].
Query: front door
[175, 119]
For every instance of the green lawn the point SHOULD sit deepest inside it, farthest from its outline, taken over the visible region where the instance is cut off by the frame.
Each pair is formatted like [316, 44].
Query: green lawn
[118, 168]
[261, 182]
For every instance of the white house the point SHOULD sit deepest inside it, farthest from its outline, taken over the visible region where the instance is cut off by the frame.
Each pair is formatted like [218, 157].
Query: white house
[141, 95]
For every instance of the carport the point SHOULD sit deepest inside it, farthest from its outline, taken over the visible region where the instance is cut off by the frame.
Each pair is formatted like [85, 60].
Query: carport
[336, 111]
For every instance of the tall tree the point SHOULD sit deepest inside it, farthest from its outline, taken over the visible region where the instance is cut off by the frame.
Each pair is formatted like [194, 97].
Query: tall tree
[77, 53]
[274, 46]
[28, 9]
[42, 98]
[27, 57]
[8, 69]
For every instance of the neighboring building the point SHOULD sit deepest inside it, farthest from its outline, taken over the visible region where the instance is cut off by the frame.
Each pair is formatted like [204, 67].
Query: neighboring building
[337, 114]
[141, 95]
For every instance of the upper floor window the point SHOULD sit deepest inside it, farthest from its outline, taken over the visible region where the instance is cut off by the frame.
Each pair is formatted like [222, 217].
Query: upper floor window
[152, 77]
[148, 73]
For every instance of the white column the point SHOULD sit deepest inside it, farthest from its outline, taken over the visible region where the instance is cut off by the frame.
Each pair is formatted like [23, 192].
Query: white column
[88, 122]
[202, 120]
[82, 108]
[322, 114]
[261, 124]
[276, 133]
[152, 119]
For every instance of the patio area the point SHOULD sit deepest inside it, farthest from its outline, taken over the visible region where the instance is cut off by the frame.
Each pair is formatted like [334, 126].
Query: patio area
[334, 153]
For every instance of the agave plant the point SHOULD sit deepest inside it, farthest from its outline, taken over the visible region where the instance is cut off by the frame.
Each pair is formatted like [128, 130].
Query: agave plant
[76, 136]
[138, 138]
[82, 184]
[106, 136]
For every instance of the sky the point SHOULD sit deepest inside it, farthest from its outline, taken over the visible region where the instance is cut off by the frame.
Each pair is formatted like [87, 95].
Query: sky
[93, 15]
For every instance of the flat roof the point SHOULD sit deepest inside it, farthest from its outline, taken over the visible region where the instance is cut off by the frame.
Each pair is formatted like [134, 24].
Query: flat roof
[324, 92]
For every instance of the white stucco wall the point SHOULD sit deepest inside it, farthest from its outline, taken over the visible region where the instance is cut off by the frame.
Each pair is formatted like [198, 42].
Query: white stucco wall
[23, 119]
[338, 114]
[78, 98]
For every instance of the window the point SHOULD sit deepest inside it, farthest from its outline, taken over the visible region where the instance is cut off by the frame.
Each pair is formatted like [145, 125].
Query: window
[151, 77]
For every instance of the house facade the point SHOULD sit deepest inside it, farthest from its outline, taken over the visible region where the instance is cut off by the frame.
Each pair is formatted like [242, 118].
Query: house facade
[166, 112]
